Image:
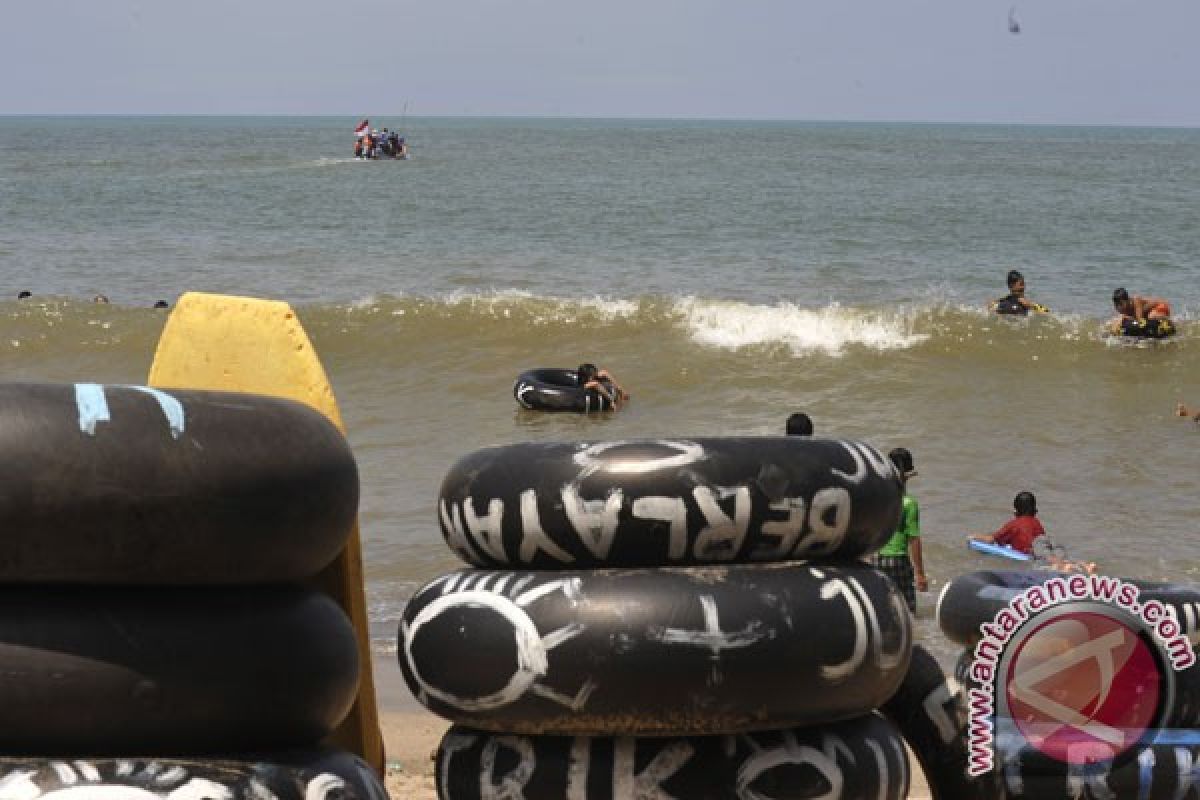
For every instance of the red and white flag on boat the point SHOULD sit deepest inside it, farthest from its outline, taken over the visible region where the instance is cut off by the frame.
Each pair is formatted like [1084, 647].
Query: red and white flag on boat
[362, 128]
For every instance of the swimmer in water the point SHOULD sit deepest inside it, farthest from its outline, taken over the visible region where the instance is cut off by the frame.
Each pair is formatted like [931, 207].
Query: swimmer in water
[1020, 531]
[1136, 310]
[589, 376]
[1016, 302]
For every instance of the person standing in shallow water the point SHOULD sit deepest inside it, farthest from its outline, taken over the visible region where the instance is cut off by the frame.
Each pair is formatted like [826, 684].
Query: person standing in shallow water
[900, 559]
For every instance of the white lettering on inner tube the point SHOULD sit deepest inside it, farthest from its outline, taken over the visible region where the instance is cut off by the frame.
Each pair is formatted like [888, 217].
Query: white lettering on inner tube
[92, 407]
[595, 521]
[722, 538]
[680, 455]
[464, 528]
[647, 784]
[792, 753]
[866, 456]
[532, 648]
[712, 637]
[535, 537]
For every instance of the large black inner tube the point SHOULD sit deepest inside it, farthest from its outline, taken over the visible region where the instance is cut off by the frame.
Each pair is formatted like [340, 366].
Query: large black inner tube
[130, 485]
[654, 502]
[295, 775]
[856, 759]
[929, 709]
[655, 652]
[181, 672]
[972, 599]
[551, 389]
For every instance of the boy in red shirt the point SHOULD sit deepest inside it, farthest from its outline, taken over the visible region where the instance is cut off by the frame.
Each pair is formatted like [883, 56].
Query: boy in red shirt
[1020, 531]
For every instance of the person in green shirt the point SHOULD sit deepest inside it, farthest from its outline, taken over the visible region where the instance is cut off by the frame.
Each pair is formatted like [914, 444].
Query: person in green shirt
[900, 559]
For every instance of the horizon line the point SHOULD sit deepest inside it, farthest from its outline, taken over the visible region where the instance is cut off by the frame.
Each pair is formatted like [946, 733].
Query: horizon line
[568, 117]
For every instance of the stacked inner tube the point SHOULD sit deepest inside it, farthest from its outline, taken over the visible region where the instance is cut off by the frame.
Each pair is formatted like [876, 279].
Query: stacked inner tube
[1163, 767]
[153, 635]
[654, 618]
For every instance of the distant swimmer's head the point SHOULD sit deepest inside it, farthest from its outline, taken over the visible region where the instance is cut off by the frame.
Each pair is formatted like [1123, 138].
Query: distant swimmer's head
[162, 304]
[799, 424]
[1025, 504]
[23, 294]
[904, 462]
[99, 299]
[1121, 300]
[1016, 282]
[586, 372]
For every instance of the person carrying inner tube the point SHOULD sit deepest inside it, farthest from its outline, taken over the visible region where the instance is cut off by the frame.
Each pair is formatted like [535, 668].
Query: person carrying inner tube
[1020, 531]
[1016, 302]
[1137, 313]
[900, 559]
[589, 376]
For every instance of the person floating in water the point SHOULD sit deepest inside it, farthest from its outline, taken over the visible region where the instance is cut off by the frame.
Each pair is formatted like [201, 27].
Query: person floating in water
[1015, 302]
[589, 376]
[1140, 316]
[1020, 531]
[1182, 410]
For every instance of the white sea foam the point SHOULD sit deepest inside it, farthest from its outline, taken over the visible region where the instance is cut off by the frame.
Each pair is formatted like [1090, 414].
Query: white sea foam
[828, 330]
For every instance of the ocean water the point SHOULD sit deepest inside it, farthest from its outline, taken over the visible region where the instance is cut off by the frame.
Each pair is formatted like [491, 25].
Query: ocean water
[727, 273]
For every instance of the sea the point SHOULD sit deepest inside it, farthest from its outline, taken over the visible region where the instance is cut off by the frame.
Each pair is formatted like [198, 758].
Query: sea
[727, 273]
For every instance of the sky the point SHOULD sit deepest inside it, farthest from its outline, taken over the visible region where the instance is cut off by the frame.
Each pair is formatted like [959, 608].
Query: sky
[1104, 62]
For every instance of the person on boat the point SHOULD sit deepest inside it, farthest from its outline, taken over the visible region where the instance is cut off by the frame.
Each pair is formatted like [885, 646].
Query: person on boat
[1015, 302]
[901, 559]
[799, 424]
[589, 376]
[358, 147]
[401, 148]
[1020, 531]
[1136, 311]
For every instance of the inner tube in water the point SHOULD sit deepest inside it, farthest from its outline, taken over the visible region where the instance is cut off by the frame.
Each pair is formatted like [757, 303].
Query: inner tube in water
[559, 390]
[158, 671]
[859, 759]
[930, 711]
[1012, 306]
[1159, 328]
[296, 775]
[134, 485]
[656, 502]
[655, 652]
